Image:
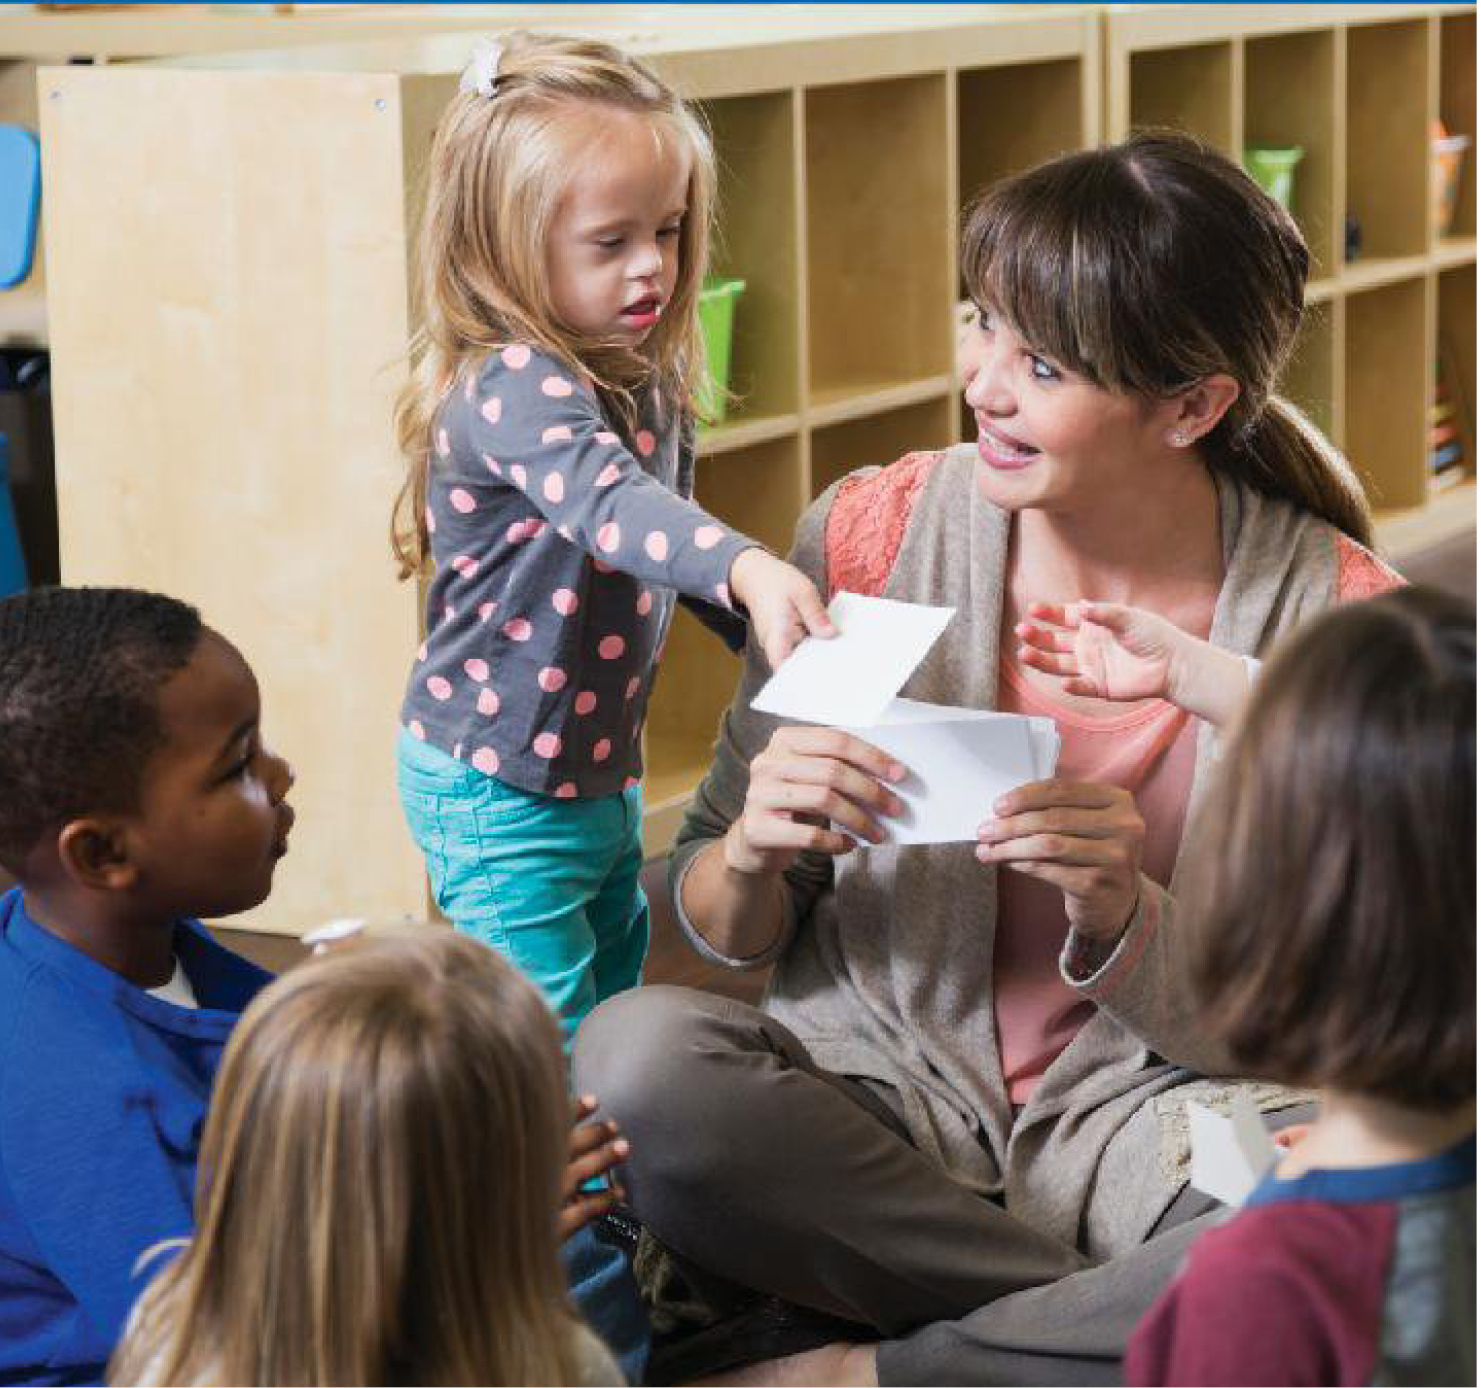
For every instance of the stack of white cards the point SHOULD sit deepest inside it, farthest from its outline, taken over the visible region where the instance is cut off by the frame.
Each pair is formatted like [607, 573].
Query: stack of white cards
[959, 760]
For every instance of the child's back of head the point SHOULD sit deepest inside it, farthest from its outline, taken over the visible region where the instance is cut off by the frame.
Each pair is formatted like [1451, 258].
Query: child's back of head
[380, 1184]
[1336, 891]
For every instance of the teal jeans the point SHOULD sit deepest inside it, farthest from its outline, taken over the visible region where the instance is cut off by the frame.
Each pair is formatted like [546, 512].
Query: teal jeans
[551, 884]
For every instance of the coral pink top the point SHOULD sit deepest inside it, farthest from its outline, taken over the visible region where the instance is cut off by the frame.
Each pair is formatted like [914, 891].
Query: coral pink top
[1148, 751]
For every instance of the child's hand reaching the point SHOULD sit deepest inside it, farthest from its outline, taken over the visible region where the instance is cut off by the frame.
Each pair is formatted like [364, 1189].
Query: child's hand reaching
[784, 604]
[1106, 650]
[595, 1150]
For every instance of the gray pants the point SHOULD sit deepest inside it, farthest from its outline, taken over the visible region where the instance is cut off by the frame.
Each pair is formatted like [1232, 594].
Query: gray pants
[755, 1164]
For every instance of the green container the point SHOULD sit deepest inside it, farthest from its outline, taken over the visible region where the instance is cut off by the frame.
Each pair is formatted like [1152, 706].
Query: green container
[716, 319]
[1274, 170]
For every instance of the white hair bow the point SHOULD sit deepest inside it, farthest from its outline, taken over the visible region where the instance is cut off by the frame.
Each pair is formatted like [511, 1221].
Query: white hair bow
[482, 73]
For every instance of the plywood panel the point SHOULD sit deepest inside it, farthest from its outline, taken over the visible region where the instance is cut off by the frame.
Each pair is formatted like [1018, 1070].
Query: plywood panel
[1387, 389]
[1387, 138]
[226, 357]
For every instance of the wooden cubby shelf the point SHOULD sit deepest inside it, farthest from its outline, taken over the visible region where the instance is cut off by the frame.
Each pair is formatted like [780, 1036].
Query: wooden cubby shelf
[848, 147]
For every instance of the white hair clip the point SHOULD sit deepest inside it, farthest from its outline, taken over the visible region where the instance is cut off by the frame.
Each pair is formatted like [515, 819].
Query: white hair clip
[482, 73]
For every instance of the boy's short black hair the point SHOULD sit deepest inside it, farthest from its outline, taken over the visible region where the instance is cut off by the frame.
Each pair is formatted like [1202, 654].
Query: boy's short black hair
[1332, 911]
[80, 673]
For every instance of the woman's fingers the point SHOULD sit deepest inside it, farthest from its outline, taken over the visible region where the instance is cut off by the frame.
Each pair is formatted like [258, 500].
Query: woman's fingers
[836, 745]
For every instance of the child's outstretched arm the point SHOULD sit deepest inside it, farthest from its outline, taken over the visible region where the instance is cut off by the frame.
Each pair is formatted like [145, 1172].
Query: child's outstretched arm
[539, 428]
[1107, 650]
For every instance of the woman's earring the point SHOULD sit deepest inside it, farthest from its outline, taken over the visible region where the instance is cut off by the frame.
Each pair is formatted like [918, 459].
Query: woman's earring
[1179, 439]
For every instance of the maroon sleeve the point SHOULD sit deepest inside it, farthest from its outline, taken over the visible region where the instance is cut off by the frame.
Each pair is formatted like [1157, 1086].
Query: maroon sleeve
[1289, 1292]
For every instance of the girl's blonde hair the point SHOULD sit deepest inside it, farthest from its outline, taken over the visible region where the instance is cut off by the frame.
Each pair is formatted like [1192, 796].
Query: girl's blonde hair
[498, 169]
[1149, 265]
[379, 1185]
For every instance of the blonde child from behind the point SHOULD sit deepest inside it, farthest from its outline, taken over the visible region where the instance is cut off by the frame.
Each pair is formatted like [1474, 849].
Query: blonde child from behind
[381, 1182]
[547, 431]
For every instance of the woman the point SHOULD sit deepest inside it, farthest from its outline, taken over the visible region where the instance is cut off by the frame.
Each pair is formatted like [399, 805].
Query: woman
[967, 1084]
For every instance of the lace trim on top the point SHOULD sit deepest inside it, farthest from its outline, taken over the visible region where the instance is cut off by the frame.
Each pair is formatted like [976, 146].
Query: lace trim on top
[866, 523]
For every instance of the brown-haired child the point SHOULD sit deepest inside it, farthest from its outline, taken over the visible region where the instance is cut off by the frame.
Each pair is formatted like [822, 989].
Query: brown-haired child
[1335, 948]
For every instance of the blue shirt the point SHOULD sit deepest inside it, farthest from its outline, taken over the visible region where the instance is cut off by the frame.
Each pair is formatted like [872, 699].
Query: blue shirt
[558, 548]
[103, 1093]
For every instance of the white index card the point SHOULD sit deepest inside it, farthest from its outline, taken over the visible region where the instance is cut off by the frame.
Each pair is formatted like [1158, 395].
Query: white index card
[1229, 1154]
[849, 680]
[957, 760]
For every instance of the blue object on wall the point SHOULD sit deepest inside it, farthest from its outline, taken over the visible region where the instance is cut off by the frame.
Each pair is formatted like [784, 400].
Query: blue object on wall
[12, 560]
[20, 201]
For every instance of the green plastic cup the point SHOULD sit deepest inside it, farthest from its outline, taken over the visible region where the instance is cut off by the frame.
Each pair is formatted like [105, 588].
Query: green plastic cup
[1274, 170]
[716, 322]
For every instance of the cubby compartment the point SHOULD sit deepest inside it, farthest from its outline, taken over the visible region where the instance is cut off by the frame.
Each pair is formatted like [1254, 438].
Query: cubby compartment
[1458, 110]
[758, 490]
[1290, 99]
[1012, 118]
[1386, 389]
[879, 247]
[1388, 163]
[755, 147]
[1187, 88]
[1311, 376]
[1455, 356]
[839, 448]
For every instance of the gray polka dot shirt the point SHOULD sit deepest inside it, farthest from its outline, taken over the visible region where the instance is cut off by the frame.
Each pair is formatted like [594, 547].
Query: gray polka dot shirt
[558, 548]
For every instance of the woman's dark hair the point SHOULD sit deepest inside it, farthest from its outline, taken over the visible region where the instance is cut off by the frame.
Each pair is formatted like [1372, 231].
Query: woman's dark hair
[1149, 265]
[1332, 900]
[80, 674]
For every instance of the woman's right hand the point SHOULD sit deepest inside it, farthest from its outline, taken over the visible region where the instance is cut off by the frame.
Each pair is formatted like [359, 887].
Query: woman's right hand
[813, 790]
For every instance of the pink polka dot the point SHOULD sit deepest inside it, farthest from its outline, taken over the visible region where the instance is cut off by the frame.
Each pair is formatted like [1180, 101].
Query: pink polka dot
[646, 442]
[486, 610]
[556, 387]
[517, 357]
[632, 687]
[476, 669]
[461, 501]
[448, 612]
[492, 409]
[492, 465]
[602, 568]
[552, 678]
[466, 565]
[416, 729]
[564, 601]
[610, 647]
[523, 530]
[645, 603]
[607, 436]
[566, 790]
[722, 591]
[488, 702]
[439, 688]
[609, 537]
[485, 759]
[422, 651]
[555, 487]
[443, 446]
[708, 536]
[608, 475]
[518, 629]
[585, 702]
[547, 745]
[657, 545]
[518, 475]
[557, 433]
[431, 521]
[630, 783]
[602, 750]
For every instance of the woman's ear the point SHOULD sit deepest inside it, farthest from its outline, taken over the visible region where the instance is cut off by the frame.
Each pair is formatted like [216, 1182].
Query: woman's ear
[94, 854]
[1199, 409]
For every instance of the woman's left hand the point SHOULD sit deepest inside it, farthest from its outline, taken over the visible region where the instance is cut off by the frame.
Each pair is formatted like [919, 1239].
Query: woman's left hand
[1084, 837]
[596, 1149]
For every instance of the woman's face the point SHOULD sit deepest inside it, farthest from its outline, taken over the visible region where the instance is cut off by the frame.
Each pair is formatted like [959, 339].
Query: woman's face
[1046, 437]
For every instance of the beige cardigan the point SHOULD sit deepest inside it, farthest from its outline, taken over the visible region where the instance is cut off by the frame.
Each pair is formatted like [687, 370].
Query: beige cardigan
[885, 967]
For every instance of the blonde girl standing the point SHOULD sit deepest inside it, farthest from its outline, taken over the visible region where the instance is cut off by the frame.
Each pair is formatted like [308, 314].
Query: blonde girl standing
[381, 1183]
[546, 430]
